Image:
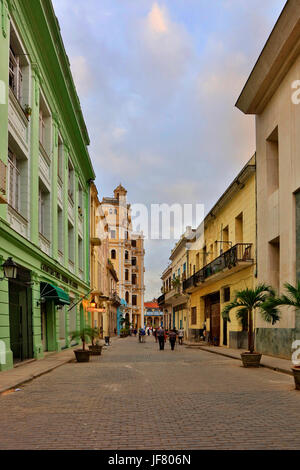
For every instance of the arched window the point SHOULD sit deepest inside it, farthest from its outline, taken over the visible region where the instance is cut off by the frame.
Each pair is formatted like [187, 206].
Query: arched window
[127, 297]
[126, 255]
[113, 254]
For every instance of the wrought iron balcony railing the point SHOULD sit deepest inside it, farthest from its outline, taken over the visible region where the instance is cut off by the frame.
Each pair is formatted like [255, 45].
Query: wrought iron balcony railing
[242, 252]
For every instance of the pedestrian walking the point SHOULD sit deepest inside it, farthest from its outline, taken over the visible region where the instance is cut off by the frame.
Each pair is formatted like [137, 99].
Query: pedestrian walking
[172, 338]
[161, 338]
[155, 334]
[180, 336]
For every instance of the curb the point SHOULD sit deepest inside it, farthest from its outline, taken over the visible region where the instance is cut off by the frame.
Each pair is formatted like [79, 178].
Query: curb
[275, 369]
[33, 376]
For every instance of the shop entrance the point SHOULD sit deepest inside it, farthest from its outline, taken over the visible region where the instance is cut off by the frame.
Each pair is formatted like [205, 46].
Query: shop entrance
[212, 312]
[20, 316]
[44, 332]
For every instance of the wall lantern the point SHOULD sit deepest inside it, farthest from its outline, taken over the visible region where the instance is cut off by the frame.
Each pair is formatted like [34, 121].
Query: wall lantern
[93, 304]
[10, 269]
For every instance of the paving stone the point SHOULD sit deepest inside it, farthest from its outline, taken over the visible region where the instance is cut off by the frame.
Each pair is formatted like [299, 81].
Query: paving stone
[135, 396]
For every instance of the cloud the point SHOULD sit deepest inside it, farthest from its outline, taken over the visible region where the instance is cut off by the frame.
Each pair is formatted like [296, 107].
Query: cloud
[158, 81]
[157, 19]
[82, 75]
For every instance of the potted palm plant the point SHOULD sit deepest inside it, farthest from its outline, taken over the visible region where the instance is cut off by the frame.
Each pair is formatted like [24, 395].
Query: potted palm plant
[291, 299]
[84, 334]
[96, 347]
[246, 301]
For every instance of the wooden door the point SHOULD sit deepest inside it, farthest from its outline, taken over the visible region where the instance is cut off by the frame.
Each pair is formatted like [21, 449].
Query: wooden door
[215, 323]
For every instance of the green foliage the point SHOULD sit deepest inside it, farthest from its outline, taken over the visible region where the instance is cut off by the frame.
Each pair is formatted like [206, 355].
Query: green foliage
[249, 299]
[84, 334]
[291, 299]
[246, 301]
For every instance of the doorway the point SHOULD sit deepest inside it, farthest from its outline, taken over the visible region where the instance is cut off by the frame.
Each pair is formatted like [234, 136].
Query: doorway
[213, 313]
[20, 318]
[44, 332]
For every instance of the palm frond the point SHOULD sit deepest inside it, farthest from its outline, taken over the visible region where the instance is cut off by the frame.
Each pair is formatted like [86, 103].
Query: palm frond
[226, 310]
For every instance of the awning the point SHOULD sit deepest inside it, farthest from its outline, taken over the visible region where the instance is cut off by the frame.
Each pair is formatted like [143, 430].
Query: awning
[50, 292]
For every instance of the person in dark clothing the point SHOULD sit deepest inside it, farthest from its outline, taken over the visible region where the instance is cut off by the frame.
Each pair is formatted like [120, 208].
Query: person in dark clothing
[161, 338]
[172, 338]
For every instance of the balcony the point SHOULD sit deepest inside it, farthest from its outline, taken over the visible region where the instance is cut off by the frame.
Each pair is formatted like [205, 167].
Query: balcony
[161, 300]
[238, 257]
[3, 170]
[127, 262]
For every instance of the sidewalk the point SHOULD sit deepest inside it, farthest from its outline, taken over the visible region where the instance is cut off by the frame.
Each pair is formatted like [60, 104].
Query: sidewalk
[13, 378]
[273, 363]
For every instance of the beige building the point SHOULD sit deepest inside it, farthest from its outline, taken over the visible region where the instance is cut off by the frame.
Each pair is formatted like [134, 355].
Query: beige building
[126, 252]
[272, 95]
[103, 301]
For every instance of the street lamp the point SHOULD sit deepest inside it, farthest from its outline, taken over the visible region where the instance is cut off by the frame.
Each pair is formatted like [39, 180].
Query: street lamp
[10, 269]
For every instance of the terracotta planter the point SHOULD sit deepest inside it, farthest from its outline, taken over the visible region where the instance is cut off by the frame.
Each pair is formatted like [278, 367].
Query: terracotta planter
[82, 356]
[296, 372]
[251, 359]
[95, 350]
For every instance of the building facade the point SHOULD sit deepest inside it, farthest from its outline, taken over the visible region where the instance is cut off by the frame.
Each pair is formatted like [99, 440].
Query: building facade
[153, 314]
[174, 301]
[126, 252]
[45, 171]
[222, 260]
[272, 95]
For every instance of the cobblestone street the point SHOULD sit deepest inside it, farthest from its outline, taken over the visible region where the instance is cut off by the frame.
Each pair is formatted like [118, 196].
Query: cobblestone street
[136, 397]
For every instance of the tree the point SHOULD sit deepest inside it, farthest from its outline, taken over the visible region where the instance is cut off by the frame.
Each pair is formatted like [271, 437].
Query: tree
[84, 334]
[247, 301]
[290, 299]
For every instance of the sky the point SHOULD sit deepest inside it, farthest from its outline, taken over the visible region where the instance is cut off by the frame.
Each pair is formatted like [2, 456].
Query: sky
[158, 82]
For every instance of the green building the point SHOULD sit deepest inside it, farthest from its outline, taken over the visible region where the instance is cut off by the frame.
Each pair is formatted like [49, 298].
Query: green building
[45, 172]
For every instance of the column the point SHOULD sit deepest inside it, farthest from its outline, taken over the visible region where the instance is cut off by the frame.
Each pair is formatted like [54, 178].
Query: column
[34, 156]
[38, 351]
[6, 355]
[65, 203]
[54, 189]
[4, 54]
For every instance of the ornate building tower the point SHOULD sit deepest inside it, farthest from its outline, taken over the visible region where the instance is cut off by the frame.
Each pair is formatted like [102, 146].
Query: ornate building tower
[126, 252]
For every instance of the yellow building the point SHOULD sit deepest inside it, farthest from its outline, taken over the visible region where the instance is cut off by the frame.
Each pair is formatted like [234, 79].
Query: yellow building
[174, 300]
[126, 252]
[222, 261]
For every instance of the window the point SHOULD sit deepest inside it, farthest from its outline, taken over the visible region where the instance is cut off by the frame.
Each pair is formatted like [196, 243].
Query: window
[134, 300]
[80, 200]
[113, 234]
[126, 275]
[45, 126]
[13, 181]
[133, 243]
[133, 261]
[126, 255]
[44, 211]
[272, 175]
[127, 297]
[226, 294]
[15, 74]
[194, 316]
[133, 279]
[60, 230]
[60, 160]
[274, 263]
[71, 242]
[239, 229]
[70, 181]
[80, 253]
[113, 254]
